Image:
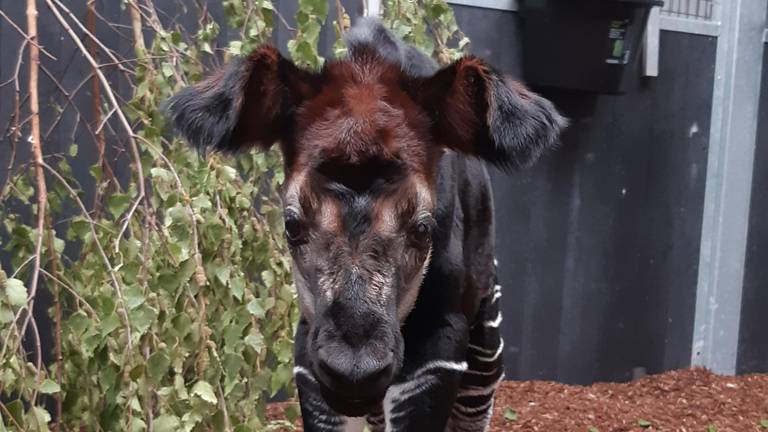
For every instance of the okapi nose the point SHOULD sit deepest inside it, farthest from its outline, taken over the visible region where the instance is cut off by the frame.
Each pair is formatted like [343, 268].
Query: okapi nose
[359, 380]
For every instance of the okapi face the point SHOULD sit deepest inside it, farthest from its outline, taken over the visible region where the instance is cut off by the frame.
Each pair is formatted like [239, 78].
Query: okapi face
[361, 142]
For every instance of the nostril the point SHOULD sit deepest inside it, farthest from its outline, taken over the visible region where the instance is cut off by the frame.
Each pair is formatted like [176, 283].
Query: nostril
[362, 377]
[331, 370]
[379, 378]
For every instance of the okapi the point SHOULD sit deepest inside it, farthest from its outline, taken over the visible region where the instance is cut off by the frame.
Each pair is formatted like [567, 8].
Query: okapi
[388, 217]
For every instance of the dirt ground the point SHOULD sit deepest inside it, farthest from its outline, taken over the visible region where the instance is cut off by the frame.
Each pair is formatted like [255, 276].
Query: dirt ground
[693, 400]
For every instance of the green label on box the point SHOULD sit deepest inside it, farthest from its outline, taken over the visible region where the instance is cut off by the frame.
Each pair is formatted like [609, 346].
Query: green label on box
[618, 52]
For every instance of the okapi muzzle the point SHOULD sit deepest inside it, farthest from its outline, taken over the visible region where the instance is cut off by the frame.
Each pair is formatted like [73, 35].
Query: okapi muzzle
[388, 214]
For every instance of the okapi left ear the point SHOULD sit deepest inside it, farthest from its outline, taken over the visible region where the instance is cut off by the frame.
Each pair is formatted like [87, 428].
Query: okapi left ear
[477, 111]
[249, 103]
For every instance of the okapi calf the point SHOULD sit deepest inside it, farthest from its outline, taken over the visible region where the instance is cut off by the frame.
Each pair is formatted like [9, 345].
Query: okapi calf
[389, 219]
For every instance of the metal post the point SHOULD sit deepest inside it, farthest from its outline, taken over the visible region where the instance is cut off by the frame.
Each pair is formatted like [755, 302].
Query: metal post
[728, 185]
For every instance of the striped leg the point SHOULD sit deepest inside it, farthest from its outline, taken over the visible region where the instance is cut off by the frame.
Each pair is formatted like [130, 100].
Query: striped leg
[474, 404]
[421, 399]
[376, 422]
[317, 416]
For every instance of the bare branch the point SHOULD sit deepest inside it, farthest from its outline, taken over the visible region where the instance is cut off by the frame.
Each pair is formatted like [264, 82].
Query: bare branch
[113, 100]
[104, 257]
[26, 36]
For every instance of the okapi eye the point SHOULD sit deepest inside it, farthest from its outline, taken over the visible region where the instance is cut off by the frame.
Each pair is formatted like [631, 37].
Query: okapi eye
[421, 233]
[294, 229]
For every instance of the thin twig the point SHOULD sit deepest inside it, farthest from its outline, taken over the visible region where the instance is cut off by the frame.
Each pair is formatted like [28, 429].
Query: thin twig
[57, 321]
[74, 293]
[85, 30]
[26, 36]
[113, 100]
[104, 257]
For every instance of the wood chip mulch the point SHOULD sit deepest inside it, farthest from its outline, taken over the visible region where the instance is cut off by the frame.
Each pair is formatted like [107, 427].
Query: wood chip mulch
[691, 400]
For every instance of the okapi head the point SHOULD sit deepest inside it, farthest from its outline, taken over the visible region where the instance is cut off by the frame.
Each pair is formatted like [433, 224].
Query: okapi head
[361, 141]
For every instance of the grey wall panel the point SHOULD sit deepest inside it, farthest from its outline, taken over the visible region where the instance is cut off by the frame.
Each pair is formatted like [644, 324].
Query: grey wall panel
[598, 244]
[753, 334]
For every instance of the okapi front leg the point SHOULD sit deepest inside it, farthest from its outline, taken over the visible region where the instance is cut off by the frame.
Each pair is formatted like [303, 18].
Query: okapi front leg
[474, 405]
[422, 398]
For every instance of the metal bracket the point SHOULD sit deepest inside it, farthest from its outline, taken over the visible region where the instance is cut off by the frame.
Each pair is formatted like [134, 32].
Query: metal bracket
[651, 43]
[504, 5]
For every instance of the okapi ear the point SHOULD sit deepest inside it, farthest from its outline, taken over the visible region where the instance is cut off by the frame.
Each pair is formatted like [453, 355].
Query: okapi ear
[477, 111]
[248, 103]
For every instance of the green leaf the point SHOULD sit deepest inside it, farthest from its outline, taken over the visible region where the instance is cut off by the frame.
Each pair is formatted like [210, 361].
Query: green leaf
[6, 315]
[268, 277]
[593, 429]
[255, 340]
[49, 387]
[79, 322]
[764, 423]
[255, 308]
[137, 372]
[157, 366]
[40, 418]
[142, 318]
[205, 392]
[167, 423]
[73, 150]
[510, 414]
[16, 292]
[167, 70]
[237, 286]
[16, 408]
[118, 203]
[202, 202]
[644, 423]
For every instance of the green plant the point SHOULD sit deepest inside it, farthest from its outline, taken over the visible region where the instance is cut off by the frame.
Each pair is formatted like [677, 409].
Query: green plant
[510, 414]
[173, 305]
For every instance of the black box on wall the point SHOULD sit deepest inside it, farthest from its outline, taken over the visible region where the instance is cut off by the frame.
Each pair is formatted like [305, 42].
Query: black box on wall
[588, 45]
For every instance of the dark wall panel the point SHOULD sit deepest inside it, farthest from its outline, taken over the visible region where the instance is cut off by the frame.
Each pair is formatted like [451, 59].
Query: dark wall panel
[753, 337]
[598, 244]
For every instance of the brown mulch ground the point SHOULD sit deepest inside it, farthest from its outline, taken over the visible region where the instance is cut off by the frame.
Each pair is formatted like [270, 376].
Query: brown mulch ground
[692, 400]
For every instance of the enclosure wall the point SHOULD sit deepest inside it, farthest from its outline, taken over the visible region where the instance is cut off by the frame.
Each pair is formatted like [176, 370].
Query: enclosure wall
[598, 244]
[753, 339]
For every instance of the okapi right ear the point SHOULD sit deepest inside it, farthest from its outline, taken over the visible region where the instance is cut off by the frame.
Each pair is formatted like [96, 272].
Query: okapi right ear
[248, 103]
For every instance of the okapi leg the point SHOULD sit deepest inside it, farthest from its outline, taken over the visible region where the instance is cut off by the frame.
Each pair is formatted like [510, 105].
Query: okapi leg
[474, 405]
[376, 422]
[422, 397]
[315, 413]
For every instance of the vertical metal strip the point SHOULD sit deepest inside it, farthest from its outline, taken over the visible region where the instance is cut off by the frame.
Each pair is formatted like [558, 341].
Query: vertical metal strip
[651, 43]
[728, 185]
